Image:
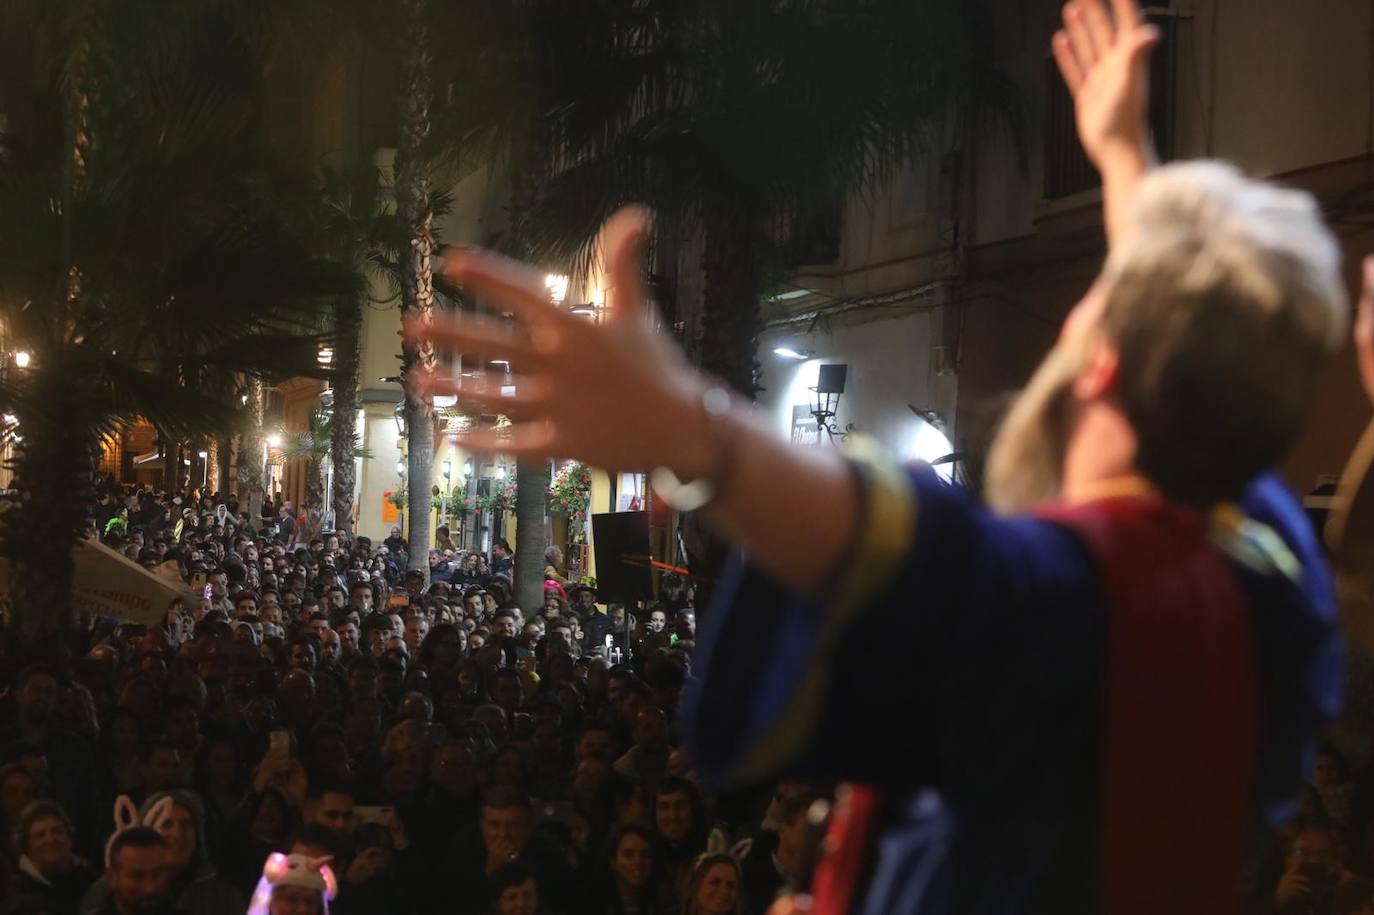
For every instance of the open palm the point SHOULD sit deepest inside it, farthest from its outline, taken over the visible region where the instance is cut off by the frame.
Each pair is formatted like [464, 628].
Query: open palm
[568, 371]
[1104, 59]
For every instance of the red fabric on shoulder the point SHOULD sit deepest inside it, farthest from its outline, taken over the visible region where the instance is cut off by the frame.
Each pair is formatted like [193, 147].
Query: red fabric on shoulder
[1180, 709]
[848, 841]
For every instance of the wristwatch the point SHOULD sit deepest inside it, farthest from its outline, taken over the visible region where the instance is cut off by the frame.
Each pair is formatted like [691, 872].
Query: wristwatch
[694, 495]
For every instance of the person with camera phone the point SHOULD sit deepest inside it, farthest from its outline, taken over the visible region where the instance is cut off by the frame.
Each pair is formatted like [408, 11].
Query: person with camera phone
[1314, 879]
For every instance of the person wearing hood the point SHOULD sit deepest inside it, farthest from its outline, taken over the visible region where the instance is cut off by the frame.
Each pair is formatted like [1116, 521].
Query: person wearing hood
[196, 886]
[51, 877]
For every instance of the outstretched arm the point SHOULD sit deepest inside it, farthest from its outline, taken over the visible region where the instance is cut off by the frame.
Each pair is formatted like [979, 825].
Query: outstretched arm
[795, 510]
[1105, 63]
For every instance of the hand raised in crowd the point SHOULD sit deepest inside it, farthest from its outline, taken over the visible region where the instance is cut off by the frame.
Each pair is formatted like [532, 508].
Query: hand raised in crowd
[366, 866]
[281, 771]
[568, 368]
[1292, 885]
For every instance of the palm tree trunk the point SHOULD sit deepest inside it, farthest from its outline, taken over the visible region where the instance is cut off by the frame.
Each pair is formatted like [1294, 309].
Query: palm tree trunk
[731, 275]
[348, 319]
[224, 448]
[53, 481]
[531, 500]
[250, 453]
[211, 474]
[53, 465]
[314, 493]
[414, 210]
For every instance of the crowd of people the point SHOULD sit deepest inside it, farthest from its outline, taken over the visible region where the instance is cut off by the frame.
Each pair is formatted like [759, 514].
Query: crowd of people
[433, 746]
[442, 748]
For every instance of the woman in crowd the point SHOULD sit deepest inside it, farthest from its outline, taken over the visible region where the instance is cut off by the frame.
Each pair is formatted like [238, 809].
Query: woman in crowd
[267, 822]
[714, 888]
[515, 891]
[633, 885]
[50, 876]
[17, 790]
[222, 782]
[555, 604]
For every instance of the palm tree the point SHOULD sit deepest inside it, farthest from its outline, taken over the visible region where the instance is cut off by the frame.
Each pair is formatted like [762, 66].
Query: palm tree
[745, 121]
[353, 228]
[415, 213]
[315, 446]
[741, 122]
[531, 510]
[252, 441]
[142, 262]
[348, 322]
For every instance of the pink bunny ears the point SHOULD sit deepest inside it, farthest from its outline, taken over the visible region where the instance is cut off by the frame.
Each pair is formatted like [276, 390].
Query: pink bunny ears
[126, 818]
[299, 870]
[293, 870]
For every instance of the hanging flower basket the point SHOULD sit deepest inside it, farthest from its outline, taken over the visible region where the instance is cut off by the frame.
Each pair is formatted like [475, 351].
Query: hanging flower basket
[571, 491]
[502, 498]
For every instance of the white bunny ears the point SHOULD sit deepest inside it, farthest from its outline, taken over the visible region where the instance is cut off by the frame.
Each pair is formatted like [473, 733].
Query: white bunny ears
[293, 870]
[126, 818]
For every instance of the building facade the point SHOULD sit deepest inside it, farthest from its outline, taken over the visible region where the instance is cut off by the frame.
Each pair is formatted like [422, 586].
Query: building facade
[948, 286]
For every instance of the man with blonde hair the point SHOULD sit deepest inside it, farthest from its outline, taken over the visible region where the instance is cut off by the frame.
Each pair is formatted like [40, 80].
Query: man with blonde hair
[1109, 677]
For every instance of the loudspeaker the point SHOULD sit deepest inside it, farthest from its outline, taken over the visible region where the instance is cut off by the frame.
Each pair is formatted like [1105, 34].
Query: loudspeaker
[831, 380]
[617, 537]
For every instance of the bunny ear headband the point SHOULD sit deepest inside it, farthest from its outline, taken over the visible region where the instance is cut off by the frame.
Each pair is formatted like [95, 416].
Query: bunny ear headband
[293, 870]
[126, 818]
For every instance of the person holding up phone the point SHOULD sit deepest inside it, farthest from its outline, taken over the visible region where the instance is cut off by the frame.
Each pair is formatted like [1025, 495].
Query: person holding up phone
[1314, 879]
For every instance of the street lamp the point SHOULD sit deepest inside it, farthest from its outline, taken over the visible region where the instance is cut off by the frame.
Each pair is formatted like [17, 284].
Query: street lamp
[467, 467]
[557, 285]
[274, 440]
[826, 396]
[22, 359]
[325, 356]
[401, 467]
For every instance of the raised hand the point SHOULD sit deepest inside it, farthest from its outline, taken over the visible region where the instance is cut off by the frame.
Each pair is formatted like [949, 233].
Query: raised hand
[1105, 64]
[615, 395]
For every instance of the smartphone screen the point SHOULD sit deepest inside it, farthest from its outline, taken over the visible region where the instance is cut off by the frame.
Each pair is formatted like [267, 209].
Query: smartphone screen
[363, 815]
[208, 592]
